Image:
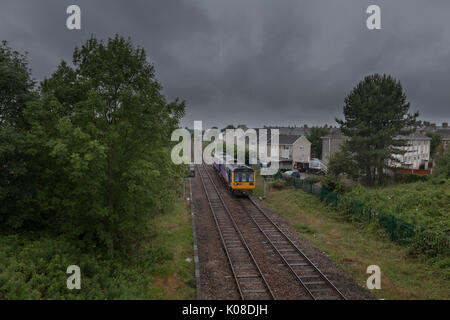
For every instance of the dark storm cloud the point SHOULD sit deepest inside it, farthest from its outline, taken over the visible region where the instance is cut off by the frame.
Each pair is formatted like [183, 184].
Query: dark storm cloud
[256, 61]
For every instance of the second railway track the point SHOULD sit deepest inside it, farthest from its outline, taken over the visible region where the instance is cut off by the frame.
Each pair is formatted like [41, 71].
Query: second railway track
[310, 277]
[250, 281]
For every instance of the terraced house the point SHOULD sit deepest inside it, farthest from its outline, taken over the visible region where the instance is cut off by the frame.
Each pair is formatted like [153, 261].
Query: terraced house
[417, 155]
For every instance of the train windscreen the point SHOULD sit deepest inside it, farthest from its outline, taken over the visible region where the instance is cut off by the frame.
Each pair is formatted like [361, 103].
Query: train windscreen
[243, 176]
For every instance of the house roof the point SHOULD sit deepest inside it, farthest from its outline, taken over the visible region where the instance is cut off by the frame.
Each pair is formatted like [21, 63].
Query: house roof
[444, 132]
[413, 136]
[287, 139]
[337, 133]
[294, 131]
[334, 133]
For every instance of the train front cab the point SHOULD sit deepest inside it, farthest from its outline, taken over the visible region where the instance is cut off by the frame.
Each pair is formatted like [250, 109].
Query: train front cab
[242, 181]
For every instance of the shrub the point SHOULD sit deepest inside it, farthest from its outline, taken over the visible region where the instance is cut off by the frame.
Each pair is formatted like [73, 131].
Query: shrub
[333, 183]
[279, 184]
[313, 179]
[410, 177]
[36, 269]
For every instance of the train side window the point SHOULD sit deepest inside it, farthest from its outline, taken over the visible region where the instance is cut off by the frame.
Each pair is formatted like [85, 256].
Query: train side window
[250, 177]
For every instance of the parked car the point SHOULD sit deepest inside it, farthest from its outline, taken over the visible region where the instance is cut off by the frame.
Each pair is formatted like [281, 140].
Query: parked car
[291, 173]
[316, 166]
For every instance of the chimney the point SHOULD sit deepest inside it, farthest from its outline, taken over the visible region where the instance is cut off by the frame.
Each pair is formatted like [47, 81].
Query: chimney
[444, 125]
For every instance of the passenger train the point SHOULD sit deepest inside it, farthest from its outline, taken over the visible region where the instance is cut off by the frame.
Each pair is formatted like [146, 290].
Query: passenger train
[238, 177]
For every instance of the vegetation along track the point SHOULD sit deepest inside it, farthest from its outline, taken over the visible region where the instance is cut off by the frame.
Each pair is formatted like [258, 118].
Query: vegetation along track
[249, 279]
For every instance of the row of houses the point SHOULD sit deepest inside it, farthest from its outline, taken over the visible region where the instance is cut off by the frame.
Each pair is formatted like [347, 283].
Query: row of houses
[417, 155]
[295, 148]
[417, 149]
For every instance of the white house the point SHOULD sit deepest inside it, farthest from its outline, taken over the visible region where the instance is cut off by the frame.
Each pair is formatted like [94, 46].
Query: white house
[293, 149]
[417, 149]
[417, 153]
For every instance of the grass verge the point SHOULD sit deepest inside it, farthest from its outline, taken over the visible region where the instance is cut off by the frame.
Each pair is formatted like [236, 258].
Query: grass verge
[354, 247]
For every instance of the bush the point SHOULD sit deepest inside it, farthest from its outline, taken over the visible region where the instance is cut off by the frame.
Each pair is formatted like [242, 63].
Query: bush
[279, 184]
[410, 177]
[333, 183]
[313, 179]
[442, 169]
[37, 270]
[423, 205]
[431, 243]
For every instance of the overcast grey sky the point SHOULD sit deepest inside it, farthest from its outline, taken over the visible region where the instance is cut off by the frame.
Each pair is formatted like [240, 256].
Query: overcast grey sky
[255, 61]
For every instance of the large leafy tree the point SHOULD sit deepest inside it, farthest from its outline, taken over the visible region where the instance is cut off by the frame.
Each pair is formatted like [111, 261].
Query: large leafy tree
[436, 142]
[375, 113]
[112, 99]
[16, 184]
[16, 84]
[96, 144]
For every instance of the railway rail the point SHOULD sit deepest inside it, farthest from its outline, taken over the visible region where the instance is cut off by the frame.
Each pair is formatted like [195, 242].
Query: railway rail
[250, 281]
[309, 276]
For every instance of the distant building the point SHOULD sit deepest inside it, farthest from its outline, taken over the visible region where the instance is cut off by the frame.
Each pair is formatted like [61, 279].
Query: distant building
[417, 149]
[293, 149]
[417, 153]
[443, 131]
[331, 143]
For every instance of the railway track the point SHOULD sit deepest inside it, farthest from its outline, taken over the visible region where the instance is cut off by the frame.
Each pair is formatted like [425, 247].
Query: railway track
[316, 284]
[309, 276]
[250, 281]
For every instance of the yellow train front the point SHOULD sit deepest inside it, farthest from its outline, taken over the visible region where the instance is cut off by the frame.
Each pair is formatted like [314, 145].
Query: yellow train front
[239, 178]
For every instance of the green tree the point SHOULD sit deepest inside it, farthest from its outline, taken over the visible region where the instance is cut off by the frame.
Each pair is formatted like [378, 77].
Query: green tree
[375, 113]
[315, 137]
[341, 162]
[443, 165]
[16, 182]
[112, 97]
[96, 148]
[436, 141]
[16, 84]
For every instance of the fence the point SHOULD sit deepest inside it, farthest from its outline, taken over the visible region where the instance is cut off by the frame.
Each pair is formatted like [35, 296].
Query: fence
[399, 230]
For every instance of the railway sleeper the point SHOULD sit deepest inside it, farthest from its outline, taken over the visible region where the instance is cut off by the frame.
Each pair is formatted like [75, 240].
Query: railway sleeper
[308, 276]
[314, 283]
[254, 291]
[248, 276]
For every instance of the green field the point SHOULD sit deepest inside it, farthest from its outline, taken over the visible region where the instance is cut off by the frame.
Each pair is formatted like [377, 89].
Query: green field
[36, 268]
